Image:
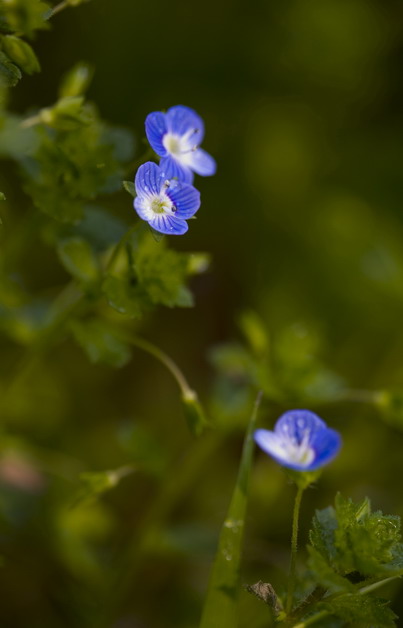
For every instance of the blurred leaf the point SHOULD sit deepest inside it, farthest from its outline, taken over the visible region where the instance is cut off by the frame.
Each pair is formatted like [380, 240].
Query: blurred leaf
[76, 81]
[2, 196]
[21, 53]
[67, 114]
[122, 296]
[255, 332]
[129, 187]
[98, 227]
[221, 605]
[100, 342]
[25, 16]
[10, 74]
[78, 258]
[94, 484]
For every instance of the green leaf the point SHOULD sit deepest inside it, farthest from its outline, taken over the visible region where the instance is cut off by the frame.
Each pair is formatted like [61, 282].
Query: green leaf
[353, 541]
[2, 196]
[10, 74]
[129, 187]
[21, 53]
[360, 610]
[25, 16]
[78, 258]
[162, 273]
[98, 227]
[221, 606]
[76, 81]
[100, 342]
[122, 296]
[325, 575]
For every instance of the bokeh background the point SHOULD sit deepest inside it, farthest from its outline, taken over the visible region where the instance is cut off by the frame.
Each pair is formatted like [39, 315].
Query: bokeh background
[302, 101]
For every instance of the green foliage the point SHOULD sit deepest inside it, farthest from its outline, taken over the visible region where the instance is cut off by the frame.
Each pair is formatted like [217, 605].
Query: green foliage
[24, 16]
[94, 484]
[2, 196]
[352, 539]
[78, 258]
[162, 272]
[10, 74]
[20, 53]
[194, 413]
[361, 611]
[74, 162]
[76, 81]
[100, 342]
[123, 296]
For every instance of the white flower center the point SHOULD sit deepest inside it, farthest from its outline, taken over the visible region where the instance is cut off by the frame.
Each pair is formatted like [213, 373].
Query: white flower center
[298, 453]
[180, 147]
[158, 205]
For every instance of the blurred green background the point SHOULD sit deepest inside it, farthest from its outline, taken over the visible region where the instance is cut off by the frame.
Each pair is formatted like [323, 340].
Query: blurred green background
[302, 101]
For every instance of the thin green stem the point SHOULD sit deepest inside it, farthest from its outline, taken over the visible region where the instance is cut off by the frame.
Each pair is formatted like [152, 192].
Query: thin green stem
[312, 620]
[162, 357]
[294, 547]
[59, 7]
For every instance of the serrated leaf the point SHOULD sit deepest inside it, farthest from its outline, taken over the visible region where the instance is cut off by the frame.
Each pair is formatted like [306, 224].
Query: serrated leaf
[361, 610]
[100, 342]
[21, 53]
[78, 258]
[221, 606]
[129, 187]
[122, 296]
[324, 575]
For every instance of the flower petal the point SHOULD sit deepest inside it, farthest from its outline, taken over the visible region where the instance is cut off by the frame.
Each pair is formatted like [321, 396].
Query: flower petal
[169, 225]
[327, 444]
[155, 130]
[202, 163]
[173, 169]
[185, 198]
[149, 179]
[295, 424]
[181, 119]
[272, 444]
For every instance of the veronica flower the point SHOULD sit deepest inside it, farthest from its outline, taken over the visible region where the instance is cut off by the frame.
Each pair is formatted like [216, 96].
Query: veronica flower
[176, 136]
[164, 204]
[300, 441]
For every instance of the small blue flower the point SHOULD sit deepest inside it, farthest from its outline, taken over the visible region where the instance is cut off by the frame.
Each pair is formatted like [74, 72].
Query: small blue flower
[164, 204]
[300, 441]
[175, 136]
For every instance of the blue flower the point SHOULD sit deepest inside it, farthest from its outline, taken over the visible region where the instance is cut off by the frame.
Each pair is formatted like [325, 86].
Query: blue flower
[175, 136]
[300, 441]
[164, 204]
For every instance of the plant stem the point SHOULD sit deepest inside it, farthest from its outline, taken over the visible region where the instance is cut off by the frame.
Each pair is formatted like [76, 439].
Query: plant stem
[162, 357]
[312, 620]
[294, 547]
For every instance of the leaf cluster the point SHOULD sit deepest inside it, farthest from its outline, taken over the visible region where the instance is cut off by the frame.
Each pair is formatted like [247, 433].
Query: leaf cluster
[18, 19]
[353, 550]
